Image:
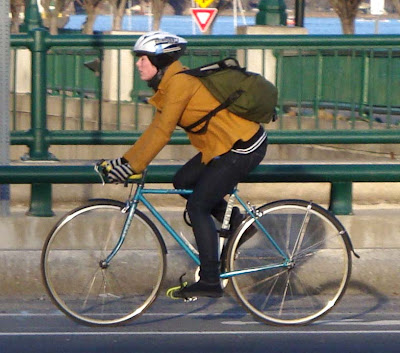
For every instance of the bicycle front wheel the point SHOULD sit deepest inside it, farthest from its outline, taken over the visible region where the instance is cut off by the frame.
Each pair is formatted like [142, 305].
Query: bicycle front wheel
[296, 268]
[76, 277]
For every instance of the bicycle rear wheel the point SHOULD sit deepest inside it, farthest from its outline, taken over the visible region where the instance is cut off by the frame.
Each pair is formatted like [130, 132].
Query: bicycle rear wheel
[302, 281]
[74, 273]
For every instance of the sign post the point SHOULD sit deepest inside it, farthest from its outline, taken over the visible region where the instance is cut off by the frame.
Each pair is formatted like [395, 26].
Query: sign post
[4, 100]
[377, 9]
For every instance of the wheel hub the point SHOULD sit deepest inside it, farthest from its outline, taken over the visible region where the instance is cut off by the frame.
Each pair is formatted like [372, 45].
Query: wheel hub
[104, 264]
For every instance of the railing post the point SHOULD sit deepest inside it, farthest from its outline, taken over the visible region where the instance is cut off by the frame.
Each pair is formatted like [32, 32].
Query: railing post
[32, 16]
[4, 102]
[341, 198]
[299, 13]
[40, 205]
[41, 194]
[271, 12]
[39, 148]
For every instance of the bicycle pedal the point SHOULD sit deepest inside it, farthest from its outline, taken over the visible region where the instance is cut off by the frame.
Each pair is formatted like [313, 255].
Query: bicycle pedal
[171, 291]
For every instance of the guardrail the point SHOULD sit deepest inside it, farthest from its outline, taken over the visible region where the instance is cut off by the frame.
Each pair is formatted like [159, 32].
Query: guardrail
[360, 127]
[339, 175]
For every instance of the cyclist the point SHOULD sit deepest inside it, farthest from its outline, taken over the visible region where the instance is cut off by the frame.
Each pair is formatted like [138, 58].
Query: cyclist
[229, 149]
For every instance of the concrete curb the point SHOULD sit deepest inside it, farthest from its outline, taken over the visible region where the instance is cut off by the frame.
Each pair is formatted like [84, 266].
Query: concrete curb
[374, 233]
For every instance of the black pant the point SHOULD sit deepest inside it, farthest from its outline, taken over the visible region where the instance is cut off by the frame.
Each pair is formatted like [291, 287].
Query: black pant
[210, 184]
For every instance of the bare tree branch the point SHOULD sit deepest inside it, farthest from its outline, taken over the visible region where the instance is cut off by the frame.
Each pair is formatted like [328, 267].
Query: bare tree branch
[16, 7]
[396, 5]
[118, 10]
[91, 8]
[53, 11]
[347, 12]
[158, 9]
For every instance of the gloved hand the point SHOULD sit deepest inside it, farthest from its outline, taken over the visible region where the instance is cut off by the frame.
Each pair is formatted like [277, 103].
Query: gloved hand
[118, 170]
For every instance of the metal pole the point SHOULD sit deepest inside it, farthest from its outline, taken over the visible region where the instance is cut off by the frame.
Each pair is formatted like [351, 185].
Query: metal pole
[299, 13]
[32, 16]
[235, 14]
[39, 149]
[4, 100]
[242, 12]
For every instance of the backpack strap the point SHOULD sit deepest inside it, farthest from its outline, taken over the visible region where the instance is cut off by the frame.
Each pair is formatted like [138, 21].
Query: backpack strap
[206, 70]
[206, 118]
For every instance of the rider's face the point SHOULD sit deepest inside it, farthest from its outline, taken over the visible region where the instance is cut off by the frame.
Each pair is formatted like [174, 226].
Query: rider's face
[146, 69]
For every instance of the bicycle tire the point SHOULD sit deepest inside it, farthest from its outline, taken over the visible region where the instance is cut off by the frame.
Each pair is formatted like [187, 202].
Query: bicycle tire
[72, 268]
[306, 287]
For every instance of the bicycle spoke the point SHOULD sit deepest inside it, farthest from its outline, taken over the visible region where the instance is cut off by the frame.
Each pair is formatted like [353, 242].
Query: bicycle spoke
[109, 232]
[90, 288]
[103, 294]
[310, 250]
[300, 236]
[275, 279]
[318, 264]
[284, 294]
[263, 281]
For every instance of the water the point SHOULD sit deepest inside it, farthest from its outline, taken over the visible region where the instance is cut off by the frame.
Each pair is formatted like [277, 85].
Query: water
[184, 25]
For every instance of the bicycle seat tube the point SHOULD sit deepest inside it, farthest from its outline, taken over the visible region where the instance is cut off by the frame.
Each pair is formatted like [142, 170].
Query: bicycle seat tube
[252, 211]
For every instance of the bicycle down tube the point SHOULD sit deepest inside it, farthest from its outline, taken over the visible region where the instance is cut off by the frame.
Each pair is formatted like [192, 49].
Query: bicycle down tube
[140, 198]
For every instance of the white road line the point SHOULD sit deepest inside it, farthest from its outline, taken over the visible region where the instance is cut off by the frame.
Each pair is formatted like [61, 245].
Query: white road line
[197, 333]
[375, 323]
[172, 315]
[321, 323]
[27, 314]
[237, 322]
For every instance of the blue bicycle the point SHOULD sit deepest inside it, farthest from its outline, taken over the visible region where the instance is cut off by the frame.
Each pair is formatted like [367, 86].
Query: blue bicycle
[104, 263]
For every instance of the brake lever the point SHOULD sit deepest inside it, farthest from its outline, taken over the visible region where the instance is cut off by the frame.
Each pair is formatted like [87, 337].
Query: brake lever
[99, 172]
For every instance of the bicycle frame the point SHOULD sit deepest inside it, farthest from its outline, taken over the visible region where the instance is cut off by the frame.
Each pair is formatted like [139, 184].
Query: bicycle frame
[139, 197]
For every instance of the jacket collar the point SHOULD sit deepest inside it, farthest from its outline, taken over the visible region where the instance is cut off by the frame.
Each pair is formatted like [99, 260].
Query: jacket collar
[173, 69]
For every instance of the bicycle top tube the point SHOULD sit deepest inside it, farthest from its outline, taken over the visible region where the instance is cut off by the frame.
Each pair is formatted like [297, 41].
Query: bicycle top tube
[167, 191]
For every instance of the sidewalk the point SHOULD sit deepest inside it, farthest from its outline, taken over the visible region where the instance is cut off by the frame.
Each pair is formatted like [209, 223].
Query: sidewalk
[374, 232]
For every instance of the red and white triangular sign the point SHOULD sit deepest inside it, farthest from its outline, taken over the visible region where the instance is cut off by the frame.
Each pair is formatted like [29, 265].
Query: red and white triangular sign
[204, 17]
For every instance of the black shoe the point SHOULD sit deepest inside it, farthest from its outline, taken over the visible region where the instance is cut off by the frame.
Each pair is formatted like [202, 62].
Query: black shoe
[200, 289]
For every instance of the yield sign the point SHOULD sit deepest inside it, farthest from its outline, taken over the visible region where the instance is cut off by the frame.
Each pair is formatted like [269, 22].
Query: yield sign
[204, 17]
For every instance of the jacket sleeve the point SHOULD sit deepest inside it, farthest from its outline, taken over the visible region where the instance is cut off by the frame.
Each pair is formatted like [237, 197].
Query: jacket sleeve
[170, 103]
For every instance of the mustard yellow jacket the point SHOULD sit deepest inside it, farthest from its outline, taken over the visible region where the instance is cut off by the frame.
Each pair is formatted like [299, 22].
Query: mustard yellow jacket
[182, 100]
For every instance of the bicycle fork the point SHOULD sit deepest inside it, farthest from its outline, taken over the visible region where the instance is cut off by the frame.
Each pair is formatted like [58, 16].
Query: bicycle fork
[130, 208]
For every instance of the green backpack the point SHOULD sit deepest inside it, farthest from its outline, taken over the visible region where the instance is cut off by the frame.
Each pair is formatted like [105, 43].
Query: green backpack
[246, 94]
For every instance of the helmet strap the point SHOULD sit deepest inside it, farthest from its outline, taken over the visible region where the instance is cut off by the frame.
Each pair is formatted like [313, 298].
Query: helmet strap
[155, 81]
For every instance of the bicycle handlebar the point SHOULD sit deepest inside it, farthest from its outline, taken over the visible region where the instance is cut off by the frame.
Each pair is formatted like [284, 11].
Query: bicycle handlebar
[102, 169]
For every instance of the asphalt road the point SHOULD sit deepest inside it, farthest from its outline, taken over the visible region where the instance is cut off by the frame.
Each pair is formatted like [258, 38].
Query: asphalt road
[362, 323]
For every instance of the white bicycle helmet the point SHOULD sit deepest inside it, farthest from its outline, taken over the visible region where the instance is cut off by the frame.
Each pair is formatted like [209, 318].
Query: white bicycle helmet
[162, 48]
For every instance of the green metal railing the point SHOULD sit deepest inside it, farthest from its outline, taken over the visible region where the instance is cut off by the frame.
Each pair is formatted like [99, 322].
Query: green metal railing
[360, 85]
[354, 78]
[339, 175]
[66, 73]
[365, 82]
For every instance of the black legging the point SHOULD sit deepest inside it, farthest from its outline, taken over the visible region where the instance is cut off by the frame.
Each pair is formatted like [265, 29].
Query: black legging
[210, 184]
